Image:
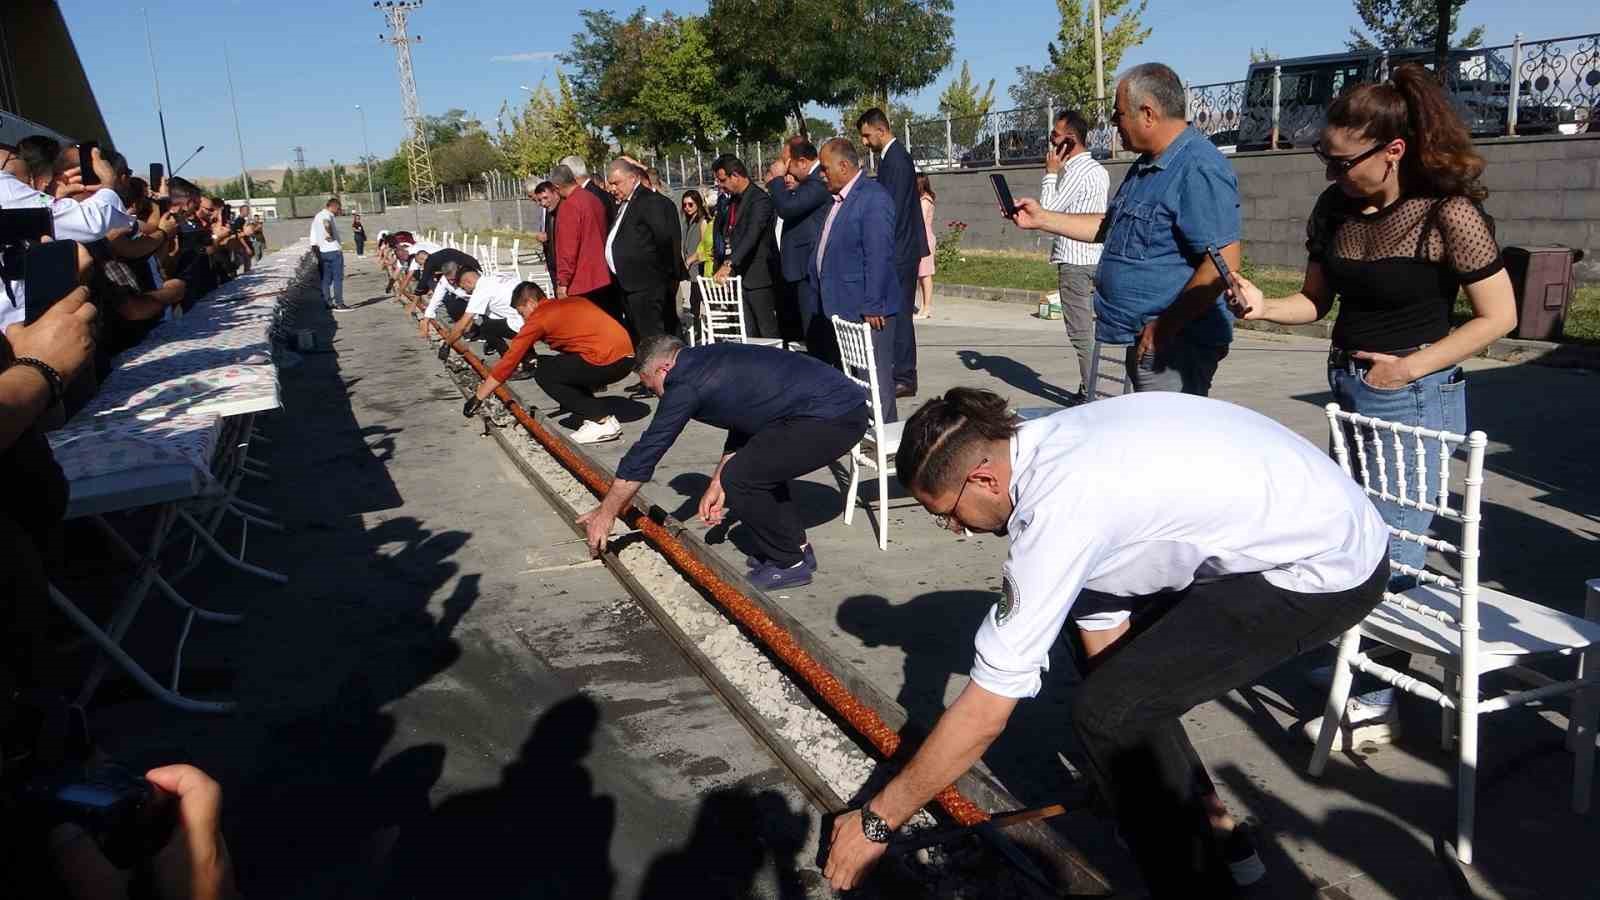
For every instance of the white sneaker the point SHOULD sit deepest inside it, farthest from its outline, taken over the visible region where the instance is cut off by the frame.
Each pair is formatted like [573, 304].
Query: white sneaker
[1365, 722]
[591, 432]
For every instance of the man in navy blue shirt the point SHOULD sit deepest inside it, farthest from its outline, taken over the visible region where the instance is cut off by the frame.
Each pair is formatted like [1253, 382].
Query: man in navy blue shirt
[898, 175]
[786, 414]
[1155, 288]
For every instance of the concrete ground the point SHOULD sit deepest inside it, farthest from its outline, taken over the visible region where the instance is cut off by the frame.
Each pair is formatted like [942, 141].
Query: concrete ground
[447, 699]
[1375, 824]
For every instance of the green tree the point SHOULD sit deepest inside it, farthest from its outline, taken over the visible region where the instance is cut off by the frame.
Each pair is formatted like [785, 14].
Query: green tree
[1262, 54]
[454, 125]
[898, 114]
[965, 106]
[900, 46]
[464, 160]
[548, 128]
[820, 130]
[1069, 77]
[775, 57]
[233, 189]
[678, 87]
[1398, 24]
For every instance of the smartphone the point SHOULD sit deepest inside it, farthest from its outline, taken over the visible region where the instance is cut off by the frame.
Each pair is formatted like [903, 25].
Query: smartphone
[50, 272]
[86, 162]
[25, 226]
[157, 172]
[1221, 265]
[1002, 193]
[1065, 145]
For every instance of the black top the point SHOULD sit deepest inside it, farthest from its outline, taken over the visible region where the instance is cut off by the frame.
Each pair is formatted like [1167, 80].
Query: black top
[428, 275]
[743, 388]
[1396, 271]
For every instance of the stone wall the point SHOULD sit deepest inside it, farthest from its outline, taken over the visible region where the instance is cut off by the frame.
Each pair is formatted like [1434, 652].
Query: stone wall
[1542, 191]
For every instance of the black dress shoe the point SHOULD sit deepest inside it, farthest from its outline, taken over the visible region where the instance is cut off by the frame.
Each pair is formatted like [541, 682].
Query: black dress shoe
[905, 390]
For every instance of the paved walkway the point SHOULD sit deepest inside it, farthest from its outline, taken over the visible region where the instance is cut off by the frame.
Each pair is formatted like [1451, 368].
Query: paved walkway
[1368, 828]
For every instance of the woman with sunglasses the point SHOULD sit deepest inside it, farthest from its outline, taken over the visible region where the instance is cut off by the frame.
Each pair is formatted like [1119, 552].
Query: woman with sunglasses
[1394, 239]
[697, 250]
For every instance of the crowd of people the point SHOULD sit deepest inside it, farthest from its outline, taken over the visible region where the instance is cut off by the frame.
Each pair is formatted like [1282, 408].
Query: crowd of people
[94, 258]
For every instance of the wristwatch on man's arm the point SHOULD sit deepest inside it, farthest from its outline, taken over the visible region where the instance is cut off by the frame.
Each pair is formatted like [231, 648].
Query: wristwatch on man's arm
[874, 827]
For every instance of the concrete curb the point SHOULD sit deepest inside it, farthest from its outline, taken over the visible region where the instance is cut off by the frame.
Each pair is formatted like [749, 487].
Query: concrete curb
[1512, 350]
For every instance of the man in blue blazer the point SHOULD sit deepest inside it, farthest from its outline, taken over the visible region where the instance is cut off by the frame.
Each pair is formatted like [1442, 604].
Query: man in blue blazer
[853, 271]
[898, 175]
[801, 211]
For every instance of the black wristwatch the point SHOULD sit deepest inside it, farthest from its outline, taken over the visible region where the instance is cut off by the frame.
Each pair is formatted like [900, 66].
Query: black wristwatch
[874, 827]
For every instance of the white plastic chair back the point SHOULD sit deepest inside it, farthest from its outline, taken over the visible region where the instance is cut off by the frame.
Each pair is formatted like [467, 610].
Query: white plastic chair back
[1099, 382]
[516, 257]
[882, 441]
[722, 311]
[494, 253]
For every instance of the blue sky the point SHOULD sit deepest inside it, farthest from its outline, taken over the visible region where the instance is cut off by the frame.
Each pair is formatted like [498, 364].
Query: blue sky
[301, 66]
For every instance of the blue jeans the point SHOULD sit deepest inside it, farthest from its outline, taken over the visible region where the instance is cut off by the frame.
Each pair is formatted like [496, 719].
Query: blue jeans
[1437, 401]
[1180, 367]
[332, 277]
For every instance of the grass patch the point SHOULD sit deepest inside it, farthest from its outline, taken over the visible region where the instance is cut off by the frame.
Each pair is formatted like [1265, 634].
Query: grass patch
[1031, 272]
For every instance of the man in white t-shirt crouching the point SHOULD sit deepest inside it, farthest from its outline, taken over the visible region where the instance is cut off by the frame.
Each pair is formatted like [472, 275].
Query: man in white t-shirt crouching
[325, 237]
[1234, 543]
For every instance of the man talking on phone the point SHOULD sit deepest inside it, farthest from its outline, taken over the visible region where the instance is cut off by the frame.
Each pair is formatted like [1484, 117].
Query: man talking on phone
[1075, 183]
[1155, 289]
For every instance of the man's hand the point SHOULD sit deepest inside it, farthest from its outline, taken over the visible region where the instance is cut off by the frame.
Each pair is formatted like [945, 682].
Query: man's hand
[712, 509]
[1030, 215]
[471, 407]
[1055, 158]
[63, 338]
[597, 528]
[422, 328]
[541, 236]
[194, 865]
[723, 274]
[780, 166]
[1153, 339]
[851, 855]
[561, 290]
[444, 351]
[1388, 372]
[877, 322]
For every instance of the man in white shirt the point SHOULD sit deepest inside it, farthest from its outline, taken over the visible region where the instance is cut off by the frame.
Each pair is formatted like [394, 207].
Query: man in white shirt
[325, 237]
[488, 296]
[1075, 183]
[1236, 543]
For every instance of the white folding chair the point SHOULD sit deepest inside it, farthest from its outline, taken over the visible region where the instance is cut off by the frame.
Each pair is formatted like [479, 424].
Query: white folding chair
[722, 313]
[1440, 617]
[1117, 356]
[494, 254]
[449, 241]
[879, 446]
[516, 257]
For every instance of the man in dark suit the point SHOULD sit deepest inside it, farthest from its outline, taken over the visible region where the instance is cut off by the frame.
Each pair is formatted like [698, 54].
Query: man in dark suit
[853, 271]
[750, 245]
[544, 193]
[801, 210]
[643, 251]
[898, 175]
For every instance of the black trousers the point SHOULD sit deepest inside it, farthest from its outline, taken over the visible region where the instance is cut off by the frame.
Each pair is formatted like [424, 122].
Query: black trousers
[571, 381]
[496, 334]
[652, 311]
[761, 312]
[905, 333]
[756, 480]
[1203, 642]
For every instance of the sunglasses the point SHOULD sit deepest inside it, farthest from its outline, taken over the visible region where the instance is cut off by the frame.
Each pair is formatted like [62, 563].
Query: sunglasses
[1340, 165]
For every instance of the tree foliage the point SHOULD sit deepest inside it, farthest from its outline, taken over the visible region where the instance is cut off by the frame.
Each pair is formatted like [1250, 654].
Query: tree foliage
[548, 128]
[233, 189]
[965, 106]
[675, 99]
[775, 57]
[1397, 24]
[465, 159]
[820, 130]
[445, 129]
[901, 46]
[898, 114]
[1069, 77]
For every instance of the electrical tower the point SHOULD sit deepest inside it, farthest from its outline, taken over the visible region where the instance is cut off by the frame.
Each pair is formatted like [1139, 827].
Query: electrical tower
[299, 159]
[419, 165]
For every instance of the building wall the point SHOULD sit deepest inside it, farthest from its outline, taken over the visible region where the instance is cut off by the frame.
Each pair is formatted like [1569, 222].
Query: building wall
[41, 76]
[1542, 191]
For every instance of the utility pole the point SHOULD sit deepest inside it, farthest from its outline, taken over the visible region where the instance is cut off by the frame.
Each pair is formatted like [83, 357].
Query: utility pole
[238, 136]
[1099, 58]
[333, 167]
[366, 147]
[156, 78]
[424, 187]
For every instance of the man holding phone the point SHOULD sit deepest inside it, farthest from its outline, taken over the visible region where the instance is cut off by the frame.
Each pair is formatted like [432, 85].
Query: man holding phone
[1155, 288]
[1075, 183]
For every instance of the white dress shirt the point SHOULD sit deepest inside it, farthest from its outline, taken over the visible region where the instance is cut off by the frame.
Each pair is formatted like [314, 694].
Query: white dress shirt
[492, 297]
[1080, 187]
[621, 211]
[1147, 493]
[88, 219]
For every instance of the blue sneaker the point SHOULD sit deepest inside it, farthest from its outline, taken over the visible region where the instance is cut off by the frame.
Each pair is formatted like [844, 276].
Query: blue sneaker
[770, 577]
[808, 556]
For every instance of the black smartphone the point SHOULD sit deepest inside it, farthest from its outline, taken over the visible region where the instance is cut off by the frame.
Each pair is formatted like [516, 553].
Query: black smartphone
[1002, 193]
[157, 172]
[25, 226]
[1221, 265]
[1065, 145]
[50, 272]
[86, 162]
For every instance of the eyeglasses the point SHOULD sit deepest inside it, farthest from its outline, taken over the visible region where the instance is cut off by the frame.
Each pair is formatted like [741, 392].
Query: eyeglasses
[1339, 165]
[944, 519]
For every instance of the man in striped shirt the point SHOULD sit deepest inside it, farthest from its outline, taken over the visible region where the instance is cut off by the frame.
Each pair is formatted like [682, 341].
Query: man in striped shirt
[1075, 183]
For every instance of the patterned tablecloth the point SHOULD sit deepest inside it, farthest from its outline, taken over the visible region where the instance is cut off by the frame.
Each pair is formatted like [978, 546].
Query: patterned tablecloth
[105, 445]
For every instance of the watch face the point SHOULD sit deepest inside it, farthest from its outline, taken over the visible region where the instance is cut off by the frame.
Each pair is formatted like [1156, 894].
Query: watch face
[874, 827]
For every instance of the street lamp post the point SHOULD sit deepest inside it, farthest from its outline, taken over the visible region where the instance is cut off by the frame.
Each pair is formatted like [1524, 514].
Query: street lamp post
[366, 147]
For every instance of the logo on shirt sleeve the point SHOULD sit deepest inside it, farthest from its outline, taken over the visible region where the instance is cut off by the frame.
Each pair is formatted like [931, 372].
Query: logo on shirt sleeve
[1010, 599]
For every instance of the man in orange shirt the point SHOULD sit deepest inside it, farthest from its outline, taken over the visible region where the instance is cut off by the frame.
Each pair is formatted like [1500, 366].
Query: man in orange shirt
[592, 351]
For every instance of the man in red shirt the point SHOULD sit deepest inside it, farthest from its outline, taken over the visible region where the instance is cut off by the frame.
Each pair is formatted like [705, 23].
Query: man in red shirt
[580, 267]
[592, 351]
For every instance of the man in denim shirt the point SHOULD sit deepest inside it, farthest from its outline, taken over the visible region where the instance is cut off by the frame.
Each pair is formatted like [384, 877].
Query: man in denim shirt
[1155, 288]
